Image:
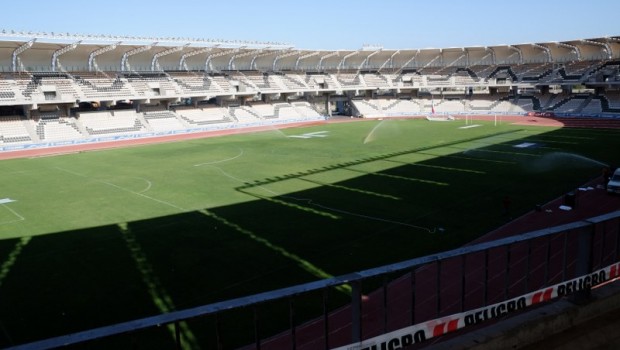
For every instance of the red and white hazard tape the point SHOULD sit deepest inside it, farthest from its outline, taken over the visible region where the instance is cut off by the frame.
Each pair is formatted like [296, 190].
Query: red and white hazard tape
[420, 332]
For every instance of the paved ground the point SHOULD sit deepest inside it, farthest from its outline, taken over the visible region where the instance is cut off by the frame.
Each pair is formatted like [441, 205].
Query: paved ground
[599, 333]
[591, 200]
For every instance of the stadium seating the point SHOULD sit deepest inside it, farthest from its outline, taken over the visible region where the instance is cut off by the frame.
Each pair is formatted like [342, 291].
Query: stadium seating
[382, 107]
[192, 84]
[294, 82]
[244, 114]
[6, 91]
[204, 116]
[592, 107]
[163, 121]
[13, 130]
[112, 123]
[96, 87]
[377, 80]
[305, 110]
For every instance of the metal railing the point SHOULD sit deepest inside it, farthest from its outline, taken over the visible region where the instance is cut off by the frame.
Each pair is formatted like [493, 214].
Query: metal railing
[391, 297]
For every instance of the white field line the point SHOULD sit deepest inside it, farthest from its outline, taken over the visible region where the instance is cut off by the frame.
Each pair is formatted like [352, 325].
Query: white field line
[140, 194]
[241, 152]
[19, 217]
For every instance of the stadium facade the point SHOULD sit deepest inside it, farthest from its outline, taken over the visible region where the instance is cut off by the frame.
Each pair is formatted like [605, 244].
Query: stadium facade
[61, 87]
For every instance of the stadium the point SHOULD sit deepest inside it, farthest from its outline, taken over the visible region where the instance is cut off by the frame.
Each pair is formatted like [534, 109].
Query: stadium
[165, 192]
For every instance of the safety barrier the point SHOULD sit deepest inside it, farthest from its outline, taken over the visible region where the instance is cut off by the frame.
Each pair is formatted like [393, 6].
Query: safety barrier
[416, 299]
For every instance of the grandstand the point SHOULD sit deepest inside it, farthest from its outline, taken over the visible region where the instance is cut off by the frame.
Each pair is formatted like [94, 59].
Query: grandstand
[264, 84]
[131, 90]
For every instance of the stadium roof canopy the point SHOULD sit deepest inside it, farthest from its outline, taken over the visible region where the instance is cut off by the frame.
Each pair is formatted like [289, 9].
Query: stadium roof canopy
[36, 51]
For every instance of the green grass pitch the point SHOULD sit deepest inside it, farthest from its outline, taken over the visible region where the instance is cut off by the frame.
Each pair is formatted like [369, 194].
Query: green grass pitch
[107, 236]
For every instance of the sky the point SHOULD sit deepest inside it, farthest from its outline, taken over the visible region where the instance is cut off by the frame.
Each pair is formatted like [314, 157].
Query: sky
[326, 24]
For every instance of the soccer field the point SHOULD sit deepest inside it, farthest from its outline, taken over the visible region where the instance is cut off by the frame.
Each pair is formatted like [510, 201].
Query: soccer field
[89, 239]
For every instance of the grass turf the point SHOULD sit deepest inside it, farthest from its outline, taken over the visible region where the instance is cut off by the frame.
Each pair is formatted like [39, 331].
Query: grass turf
[108, 236]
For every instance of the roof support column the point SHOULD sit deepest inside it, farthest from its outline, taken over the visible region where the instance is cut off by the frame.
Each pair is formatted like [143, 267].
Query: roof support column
[182, 61]
[308, 55]
[18, 51]
[92, 63]
[389, 60]
[125, 59]
[335, 53]
[364, 64]
[62, 51]
[518, 51]
[546, 50]
[342, 62]
[155, 60]
[573, 48]
[209, 66]
[284, 55]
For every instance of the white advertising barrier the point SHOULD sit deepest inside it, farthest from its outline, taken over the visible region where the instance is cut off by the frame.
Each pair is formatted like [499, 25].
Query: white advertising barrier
[420, 332]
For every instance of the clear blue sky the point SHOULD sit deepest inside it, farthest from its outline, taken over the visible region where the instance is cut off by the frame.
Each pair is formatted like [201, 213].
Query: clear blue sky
[326, 24]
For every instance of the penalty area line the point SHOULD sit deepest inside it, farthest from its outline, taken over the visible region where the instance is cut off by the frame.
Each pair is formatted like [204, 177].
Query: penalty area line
[16, 214]
[470, 126]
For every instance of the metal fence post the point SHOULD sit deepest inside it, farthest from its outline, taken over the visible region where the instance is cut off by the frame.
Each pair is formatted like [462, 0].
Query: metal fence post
[218, 332]
[385, 303]
[356, 311]
[486, 278]
[413, 296]
[257, 337]
[507, 272]
[292, 322]
[463, 281]
[438, 291]
[177, 335]
[583, 261]
[326, 317]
